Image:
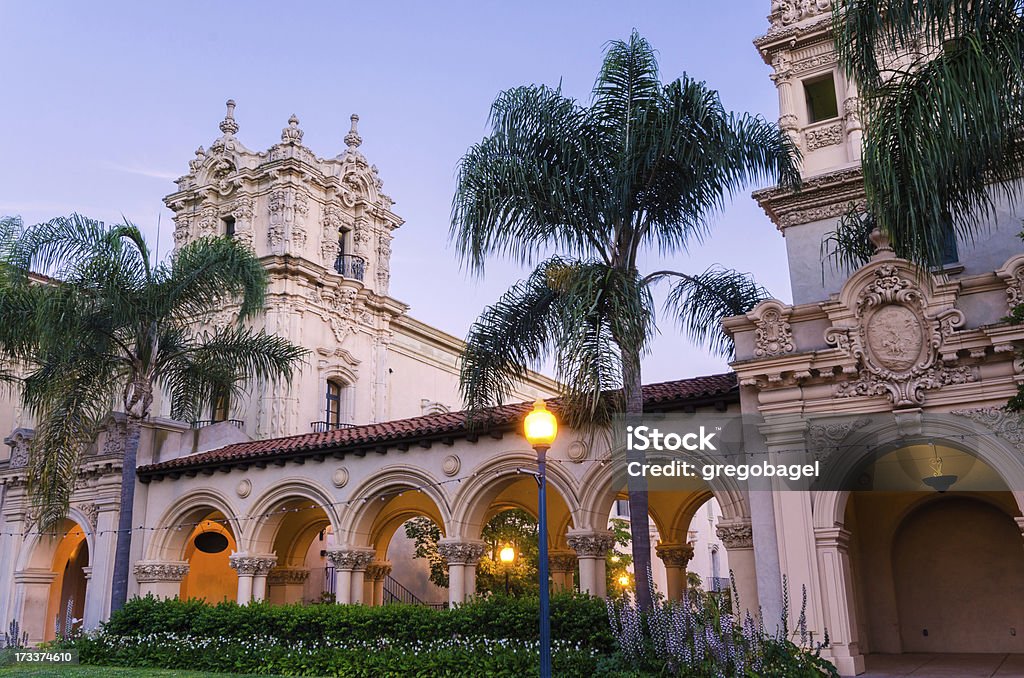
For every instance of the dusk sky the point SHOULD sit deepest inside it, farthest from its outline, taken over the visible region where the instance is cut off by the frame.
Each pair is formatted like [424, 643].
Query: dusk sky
[105, 104]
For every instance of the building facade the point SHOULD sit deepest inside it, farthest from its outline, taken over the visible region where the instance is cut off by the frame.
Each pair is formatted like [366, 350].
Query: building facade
[890, 376]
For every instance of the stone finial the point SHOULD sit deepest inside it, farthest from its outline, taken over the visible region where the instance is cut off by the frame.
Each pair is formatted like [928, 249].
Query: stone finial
[880, 239]
[352, 139]
[292, 134]
[228, 124]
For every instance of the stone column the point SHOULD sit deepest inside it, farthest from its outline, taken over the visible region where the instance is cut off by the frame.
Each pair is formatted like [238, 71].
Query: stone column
[591, 546]
[563, 567]
[285, 584]
[838, 601]
[252, 575]
[376, 573]
[676, 557]
[852, 120]
[738, 538]
[461, 556]
[783, 78]
[349, 566]
[97, 593]
[31, 599]
[160, 578]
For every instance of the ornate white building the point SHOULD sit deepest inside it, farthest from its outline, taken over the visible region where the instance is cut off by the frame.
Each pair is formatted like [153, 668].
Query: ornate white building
[890, 376]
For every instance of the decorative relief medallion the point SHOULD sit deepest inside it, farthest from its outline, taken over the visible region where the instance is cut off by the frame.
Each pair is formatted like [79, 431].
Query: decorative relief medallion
[244, 488]
[578, 451]
[897, 340]
[340, 477]
[786, 12]
[20, 442]
[451, 465]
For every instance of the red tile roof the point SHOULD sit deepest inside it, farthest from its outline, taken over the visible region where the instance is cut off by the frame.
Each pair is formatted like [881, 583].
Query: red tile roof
[360, 439]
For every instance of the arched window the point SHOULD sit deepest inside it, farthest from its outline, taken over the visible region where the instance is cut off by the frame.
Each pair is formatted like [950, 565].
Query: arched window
[220, 408]
[337, 407]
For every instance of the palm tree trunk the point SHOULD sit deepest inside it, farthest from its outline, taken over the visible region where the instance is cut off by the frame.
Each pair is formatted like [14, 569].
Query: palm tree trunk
[123, 546]
[639, 523]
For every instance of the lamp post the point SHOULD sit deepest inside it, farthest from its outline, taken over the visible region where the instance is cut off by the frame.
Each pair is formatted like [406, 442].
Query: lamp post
[507, 555]
[541, 427]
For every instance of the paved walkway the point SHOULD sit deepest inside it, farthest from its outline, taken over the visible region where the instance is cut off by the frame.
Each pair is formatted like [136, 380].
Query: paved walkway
[943, 665]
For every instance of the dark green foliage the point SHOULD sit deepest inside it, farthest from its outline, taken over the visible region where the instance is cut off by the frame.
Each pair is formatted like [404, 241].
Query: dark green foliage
[943, 118]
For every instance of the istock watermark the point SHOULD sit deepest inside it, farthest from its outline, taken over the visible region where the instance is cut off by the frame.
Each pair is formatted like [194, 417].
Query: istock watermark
[893, 452]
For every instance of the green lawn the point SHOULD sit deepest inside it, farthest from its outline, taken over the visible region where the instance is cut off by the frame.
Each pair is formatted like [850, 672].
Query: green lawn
[104, 672]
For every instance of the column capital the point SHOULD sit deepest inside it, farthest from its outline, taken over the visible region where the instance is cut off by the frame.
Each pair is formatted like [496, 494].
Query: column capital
[378, 570]
[458, 552]
[149, 571]
[590, 543]
[562, 560]
[252, 564]
[355, 559]
[736, 534]
[675, 555]
[287, 575]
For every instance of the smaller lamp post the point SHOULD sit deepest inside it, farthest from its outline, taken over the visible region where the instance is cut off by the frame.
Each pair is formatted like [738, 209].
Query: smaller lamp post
[540, 428]
[506, 556]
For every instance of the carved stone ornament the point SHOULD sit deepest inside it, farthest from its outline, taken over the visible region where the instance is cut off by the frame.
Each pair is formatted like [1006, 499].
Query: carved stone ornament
[736, 535]
[340, 477]
[461, 552]
[350, 559]
[451, 465]
[20, 441]
[675, 555]
[773, 335]
[830, 135]
[591, 544]
[91, 513]
[378, 570]
[147, 571]
[562, 561]
[287, 575]
[786, 12]
[253, 565]
[1006, 425]
[1012, 274]
[823, 440]
[578, 451]
[244, 488]
[897, 339]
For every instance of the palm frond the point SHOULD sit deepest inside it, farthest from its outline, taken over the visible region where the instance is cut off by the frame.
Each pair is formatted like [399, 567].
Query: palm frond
[205, 275]
[530, 184]
[847, 247]
[194, 370]
[701, 302]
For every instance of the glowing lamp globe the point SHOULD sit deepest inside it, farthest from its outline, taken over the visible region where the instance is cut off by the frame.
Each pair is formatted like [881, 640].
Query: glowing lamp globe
[507, 554]
[624, 581]
[540, 426]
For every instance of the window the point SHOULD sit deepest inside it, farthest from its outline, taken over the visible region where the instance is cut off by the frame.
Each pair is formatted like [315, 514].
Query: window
[949, 251]
[820, 94]
[220, 408]
[229, 226]
[622, 507]
[333, 414]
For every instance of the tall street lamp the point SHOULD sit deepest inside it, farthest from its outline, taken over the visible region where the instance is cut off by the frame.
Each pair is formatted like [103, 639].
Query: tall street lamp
[507, 555]
[541, 427]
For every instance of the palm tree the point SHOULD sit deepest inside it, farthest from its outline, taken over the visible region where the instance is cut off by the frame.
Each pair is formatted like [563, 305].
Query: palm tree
[942, 85]
[106, 328]
[641, 167]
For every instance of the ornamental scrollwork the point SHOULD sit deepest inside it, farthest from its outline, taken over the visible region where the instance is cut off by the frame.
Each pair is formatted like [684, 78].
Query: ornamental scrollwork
[896, 341]
[461, 552]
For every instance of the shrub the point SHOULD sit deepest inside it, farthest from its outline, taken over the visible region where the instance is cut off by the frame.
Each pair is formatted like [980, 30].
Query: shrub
[494, 636]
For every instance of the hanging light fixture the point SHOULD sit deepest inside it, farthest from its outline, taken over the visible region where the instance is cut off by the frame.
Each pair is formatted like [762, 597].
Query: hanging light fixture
[937, 480]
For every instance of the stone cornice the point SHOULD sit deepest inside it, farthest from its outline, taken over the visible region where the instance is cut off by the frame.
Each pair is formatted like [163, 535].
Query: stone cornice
[782, 36]
[823, 196]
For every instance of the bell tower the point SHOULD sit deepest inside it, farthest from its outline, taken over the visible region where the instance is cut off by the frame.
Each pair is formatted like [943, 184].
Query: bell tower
[323, 228]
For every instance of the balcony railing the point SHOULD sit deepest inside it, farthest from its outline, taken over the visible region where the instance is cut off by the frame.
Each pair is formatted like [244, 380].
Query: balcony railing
[325, 426]
[200, 423]
[350, 266]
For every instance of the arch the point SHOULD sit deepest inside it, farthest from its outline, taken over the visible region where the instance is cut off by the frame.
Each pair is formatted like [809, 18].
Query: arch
[476, 495]
[40, 548]
[372, 521]
[601, 488]
[830, 505]
[169, 541]
[261, 534]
